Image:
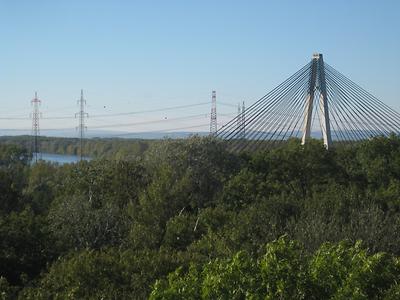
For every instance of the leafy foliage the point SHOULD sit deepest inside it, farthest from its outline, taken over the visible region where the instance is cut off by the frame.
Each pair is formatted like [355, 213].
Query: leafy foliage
[335, 271]
[186, 219]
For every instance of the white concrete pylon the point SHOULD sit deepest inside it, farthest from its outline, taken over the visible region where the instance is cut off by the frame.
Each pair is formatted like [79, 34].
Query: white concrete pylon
[317, 82]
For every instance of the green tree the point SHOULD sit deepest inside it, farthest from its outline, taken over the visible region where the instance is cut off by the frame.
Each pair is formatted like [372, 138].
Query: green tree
[25, 246]
[179, 286]
[13, 164]
[284, 270]
[237, 278]
[78, 224]
[344, 271]
[105, 274]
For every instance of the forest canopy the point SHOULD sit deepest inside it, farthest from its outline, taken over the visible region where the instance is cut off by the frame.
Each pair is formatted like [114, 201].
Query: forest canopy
[187, 219]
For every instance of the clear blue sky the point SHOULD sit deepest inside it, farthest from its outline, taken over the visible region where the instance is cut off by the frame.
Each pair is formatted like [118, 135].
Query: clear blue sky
[139, 55]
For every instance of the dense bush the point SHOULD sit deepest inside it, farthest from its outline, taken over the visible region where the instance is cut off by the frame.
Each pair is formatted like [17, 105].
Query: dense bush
[285, 271]
[197, 219]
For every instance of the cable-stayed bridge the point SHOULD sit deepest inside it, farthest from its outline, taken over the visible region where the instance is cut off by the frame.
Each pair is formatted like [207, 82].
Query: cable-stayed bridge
[316, 101]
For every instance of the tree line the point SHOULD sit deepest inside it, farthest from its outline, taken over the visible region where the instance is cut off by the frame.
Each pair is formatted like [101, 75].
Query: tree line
[187, 219]
[115, 148]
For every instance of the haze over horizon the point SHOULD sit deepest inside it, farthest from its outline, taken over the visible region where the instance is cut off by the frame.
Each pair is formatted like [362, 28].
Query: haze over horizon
[132, 56]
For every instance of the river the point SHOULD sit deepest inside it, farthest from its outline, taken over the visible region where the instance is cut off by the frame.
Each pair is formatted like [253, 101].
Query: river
[60, 158]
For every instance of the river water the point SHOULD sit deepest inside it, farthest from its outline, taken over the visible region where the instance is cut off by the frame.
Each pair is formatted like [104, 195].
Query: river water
[60, 158]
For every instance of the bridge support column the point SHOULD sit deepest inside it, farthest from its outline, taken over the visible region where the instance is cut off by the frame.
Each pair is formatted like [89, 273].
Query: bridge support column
[317, 83]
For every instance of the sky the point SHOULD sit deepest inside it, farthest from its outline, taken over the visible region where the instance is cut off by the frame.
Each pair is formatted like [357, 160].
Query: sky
[135, 56]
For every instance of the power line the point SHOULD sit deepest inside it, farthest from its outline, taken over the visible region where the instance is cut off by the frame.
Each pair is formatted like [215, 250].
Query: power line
[189, 117]
[118, 114]
[161, 131]
[150, 122]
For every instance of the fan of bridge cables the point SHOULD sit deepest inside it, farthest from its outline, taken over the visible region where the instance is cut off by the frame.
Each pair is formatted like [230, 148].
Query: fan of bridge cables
[352, 114]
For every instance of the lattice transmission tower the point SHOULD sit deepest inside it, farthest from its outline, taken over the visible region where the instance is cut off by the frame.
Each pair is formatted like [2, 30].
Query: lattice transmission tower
[35, 116]
[243, 118]
[239, 117]
[213, 118]
[315, 102]
[81, 115]
[241, 121]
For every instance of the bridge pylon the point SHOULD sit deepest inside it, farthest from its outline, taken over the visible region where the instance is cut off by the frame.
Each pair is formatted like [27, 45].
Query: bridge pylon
[315, 102]
[317, 83]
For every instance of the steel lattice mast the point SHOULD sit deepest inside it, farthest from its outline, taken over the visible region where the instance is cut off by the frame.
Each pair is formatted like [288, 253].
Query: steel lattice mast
[241, 120]
[81, 126]
[315, 102]
[213, 117]
[35, 128]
